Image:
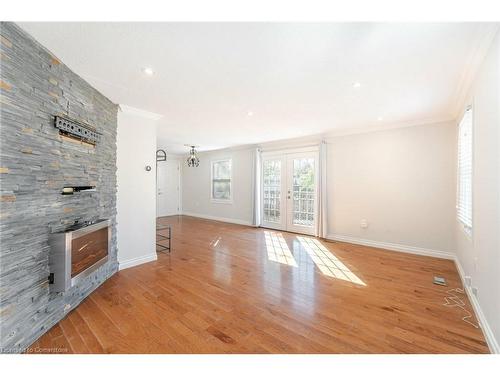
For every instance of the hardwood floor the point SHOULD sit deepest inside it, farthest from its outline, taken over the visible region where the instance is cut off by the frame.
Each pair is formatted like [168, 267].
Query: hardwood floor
[224, 290]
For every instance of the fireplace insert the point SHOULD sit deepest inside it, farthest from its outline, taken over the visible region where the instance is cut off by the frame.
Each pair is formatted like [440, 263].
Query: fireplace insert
[77, 252]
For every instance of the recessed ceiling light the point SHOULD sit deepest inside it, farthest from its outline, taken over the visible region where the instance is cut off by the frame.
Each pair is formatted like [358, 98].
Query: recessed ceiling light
[380, 118]
[356, 85]
[249, 113]
[148, 71]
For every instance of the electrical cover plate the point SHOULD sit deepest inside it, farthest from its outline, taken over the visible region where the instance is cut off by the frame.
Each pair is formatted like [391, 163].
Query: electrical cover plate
[438, 280]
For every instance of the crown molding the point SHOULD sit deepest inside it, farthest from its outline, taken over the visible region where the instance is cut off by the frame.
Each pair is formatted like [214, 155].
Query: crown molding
[474, 62]
[389, 126]
[229, 149]
[139, 112]
[303, 141]
[315, 139]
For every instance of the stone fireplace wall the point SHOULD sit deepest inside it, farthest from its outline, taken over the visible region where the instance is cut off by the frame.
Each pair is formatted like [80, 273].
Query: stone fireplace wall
[35, 164]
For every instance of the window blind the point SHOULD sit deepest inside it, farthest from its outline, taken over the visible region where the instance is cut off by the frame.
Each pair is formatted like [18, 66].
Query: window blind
[464, 196]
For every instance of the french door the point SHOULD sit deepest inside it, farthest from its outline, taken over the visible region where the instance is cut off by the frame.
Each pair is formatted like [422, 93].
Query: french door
[289, 191]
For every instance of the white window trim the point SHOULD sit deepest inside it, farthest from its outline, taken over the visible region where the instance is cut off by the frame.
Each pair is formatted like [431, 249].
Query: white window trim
[464, 226]
[222, 201]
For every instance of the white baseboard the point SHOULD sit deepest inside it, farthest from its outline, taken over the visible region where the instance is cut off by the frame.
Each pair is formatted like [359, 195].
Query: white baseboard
[483, 323]
[136, 261]
[218, 218]
[392, 246]
[169, 214]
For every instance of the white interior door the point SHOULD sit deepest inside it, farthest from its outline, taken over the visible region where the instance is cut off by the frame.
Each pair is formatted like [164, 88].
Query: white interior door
[289, 191]
[168, 189]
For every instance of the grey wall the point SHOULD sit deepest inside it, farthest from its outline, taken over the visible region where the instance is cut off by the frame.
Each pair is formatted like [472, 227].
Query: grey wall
[35, 163]
[196, 185]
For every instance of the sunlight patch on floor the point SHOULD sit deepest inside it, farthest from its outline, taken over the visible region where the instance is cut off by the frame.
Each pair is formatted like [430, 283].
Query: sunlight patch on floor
[328, 264]
[278, 250]
[215, 242]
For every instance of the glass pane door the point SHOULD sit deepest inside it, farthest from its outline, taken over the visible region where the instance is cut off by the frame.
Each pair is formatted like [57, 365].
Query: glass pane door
[288, 199]
[301, 193]
[272, 213]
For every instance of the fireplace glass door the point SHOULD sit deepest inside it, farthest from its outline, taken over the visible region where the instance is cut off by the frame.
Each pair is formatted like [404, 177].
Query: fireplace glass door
[87, 249]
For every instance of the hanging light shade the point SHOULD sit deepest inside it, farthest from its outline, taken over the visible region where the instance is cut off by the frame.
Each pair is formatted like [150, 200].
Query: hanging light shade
[192, 159]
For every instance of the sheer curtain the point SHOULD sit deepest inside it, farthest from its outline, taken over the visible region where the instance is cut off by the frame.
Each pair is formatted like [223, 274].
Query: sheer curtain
[321, 222]
[256, 186]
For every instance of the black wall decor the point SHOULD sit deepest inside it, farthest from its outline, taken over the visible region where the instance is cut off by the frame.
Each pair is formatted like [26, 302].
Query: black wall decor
[161, 155]
[76, 129]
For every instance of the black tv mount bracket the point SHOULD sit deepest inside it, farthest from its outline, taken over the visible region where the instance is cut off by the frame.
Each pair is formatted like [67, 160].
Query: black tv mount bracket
[76, 129]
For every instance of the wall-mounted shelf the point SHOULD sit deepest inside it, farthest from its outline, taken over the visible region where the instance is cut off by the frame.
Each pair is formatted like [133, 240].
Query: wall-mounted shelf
[70, 190]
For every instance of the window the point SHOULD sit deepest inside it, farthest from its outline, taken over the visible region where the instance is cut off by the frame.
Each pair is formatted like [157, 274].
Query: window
[464, 195]
[221, 180]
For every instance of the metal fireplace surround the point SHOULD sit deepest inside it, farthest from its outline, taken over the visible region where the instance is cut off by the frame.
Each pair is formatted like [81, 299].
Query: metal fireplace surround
[77, 252]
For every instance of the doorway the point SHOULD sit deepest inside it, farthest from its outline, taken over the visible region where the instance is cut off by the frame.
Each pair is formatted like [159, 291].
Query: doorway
[168, 188]
[289, 191]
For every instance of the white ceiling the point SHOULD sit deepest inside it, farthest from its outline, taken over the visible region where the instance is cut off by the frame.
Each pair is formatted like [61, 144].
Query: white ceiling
[295, 78]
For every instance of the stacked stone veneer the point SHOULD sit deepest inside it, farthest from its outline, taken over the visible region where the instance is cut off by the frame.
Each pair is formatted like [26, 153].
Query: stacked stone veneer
[35, 164]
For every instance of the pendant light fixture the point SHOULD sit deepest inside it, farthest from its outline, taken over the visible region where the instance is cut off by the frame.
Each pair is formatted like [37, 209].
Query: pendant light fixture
[192, 160]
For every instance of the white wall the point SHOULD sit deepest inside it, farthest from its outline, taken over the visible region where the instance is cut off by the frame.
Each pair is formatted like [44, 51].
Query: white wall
[136, 196]
[479, 255]
[196, 197]
[402, 181]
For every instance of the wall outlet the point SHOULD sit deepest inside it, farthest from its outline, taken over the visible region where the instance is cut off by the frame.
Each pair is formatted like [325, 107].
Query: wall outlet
[363, 223]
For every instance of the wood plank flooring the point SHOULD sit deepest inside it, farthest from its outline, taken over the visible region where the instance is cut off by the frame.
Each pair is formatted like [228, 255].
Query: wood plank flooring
[233, 289]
